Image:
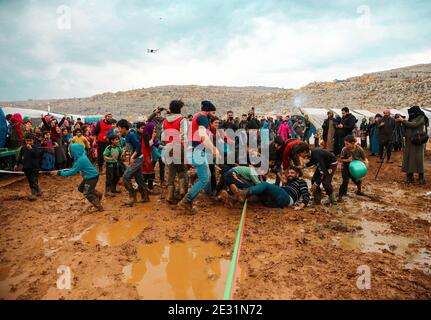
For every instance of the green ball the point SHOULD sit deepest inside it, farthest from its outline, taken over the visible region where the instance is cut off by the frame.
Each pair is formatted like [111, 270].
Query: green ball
[358, 169]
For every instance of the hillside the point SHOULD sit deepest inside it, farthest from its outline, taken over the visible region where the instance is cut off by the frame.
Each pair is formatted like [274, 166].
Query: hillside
[394, 88]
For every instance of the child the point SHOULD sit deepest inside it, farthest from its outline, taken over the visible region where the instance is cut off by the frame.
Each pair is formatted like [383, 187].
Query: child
[29, 157]
[89, 173]
[136, 163]
[350, 152]
[317, 138]
[326, 166]
[112, 156]
[147, 143]
[48, 156]
[79, 138]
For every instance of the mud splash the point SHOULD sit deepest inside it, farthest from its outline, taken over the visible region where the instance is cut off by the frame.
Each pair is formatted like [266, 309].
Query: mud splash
[114, 234]
[190, 270]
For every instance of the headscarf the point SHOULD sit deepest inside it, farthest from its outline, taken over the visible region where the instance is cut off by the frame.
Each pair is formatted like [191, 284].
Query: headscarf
[415, 112]
[16, 122]
[149, 129]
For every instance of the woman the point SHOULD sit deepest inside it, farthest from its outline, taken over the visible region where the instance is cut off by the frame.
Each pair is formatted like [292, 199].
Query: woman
[413, 158]
[364, 132]
[16, 138]
[374, 135]
[284, 130]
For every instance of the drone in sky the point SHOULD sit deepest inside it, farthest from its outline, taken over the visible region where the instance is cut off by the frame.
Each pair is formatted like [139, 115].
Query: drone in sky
[152, 50]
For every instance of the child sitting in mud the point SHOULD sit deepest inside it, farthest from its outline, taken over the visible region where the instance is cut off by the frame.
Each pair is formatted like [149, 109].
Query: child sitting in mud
[350, 152]
[88, 172]
[29, 157]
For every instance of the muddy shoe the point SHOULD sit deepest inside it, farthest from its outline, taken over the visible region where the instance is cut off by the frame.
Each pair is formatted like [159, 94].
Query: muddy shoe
[109, 194]
[186, 206]
[32, 197]
[331, 200]
[145, 196]
[97, 205]
[171, 195]
[239, 196]
[132, 200]
[225, 198]
[317, 198]
[360, 193]
[39, 193]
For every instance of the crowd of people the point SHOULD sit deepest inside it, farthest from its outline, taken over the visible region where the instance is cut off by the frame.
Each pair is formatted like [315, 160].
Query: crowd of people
[194, 151]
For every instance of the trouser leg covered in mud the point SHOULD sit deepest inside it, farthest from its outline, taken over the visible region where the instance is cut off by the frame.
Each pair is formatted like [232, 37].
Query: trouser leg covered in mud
[88, 187]
[346, 178]
[135, 171]
[32, 176]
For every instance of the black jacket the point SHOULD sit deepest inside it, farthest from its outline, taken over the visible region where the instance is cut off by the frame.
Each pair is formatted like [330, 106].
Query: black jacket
[30, 159]
[349, 123]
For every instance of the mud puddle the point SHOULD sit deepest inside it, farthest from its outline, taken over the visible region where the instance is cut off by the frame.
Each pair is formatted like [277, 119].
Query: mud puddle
[190, 270]
[114, 234]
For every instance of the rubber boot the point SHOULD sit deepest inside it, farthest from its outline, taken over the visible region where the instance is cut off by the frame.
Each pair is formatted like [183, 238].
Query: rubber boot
[132, 200]
[186, 205]
[33, 196]
[359, 191]
[409, 178]
[99, 195]
[97, 205]
[171, 195]
[331, 200]
[183, 188]
[145, 195]
[421, 179]
[317, 197]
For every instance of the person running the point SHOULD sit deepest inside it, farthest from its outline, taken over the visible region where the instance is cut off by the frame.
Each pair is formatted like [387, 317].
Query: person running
[135, 164]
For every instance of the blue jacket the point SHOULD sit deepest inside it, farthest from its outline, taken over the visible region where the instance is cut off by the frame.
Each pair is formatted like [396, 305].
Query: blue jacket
[81, 164]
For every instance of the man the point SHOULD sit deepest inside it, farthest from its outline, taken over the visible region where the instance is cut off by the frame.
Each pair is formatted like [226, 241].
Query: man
[386, 129]
[243, 122]
[101, 134]
[307, 124]
[346, 126]
[135, 164]
[158, 119]
[299, 129]
[326, 166]
[197, 157]
[229, 123]
[328, 128]
[173, 136]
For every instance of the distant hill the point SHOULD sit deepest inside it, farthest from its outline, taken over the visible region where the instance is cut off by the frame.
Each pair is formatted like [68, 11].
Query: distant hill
[394, 88]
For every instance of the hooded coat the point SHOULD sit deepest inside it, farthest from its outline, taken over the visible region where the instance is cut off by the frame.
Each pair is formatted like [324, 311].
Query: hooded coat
[81, 164]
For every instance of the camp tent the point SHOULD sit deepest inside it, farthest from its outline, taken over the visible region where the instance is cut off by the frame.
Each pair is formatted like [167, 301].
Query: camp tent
[316, 115]
[365, 113]
[34, 114]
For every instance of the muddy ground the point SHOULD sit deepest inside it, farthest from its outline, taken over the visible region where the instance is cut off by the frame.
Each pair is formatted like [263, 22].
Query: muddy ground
[152, 251]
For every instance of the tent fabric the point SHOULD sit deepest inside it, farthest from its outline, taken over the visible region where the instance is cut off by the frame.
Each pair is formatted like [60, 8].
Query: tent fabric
[316, 115]
[35, 114]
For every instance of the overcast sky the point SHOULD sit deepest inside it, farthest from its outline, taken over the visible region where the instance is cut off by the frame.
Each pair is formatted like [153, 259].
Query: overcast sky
[282, 43]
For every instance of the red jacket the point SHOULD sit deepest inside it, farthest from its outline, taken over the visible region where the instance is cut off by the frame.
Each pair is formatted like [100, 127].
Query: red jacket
[287, 153]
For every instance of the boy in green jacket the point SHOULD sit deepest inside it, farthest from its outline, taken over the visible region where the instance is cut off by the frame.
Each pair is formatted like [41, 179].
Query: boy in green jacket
[114, 165]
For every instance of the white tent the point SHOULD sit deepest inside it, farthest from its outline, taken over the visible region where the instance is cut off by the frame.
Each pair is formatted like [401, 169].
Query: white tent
[35, 114]
[366, 113]
[316, 115]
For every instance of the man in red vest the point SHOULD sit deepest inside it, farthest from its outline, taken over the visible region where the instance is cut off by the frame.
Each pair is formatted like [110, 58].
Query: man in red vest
[201, 143]
[101, 134]
[174, 132]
